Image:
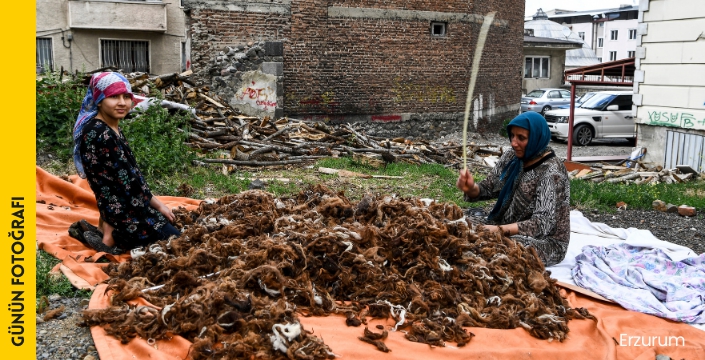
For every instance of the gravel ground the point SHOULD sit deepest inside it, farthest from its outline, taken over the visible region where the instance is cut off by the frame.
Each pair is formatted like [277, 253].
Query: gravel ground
[61, 338]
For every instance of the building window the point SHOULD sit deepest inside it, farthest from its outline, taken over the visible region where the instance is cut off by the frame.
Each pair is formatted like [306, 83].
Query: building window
[632, 34]
[537, 67]
[614, 34]
[582, 35]
[45, 58]
[613, 55]
[599, 59]
[126, 55]
[630, 54]
[600, 42]
[438, 29]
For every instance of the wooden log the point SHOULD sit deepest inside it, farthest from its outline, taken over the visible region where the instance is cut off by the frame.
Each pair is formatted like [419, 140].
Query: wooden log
[623, 178]
[210, 100]
[279, 132]
[255, 163]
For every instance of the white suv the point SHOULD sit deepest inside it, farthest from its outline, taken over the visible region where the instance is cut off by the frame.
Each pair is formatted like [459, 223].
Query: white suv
[608, 114]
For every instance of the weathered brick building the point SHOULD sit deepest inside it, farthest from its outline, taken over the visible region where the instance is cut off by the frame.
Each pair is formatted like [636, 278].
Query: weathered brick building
[402, 65]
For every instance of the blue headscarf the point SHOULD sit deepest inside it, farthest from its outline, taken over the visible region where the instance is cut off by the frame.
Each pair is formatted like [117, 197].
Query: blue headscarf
[539, 136]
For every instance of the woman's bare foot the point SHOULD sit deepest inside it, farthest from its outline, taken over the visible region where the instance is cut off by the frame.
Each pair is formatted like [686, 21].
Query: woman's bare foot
[108, 234]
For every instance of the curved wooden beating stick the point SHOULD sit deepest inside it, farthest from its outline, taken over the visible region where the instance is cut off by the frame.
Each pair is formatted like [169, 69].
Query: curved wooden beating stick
[489, 18]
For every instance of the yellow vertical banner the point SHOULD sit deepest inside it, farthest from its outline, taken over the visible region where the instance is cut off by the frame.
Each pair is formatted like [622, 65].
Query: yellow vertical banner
[17, 202]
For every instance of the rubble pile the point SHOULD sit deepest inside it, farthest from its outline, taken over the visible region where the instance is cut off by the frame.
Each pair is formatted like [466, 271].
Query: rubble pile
[248, 265]
[641, 173]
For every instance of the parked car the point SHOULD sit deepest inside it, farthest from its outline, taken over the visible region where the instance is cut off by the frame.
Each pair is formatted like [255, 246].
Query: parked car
[542, 100]
[578, 101]
[607, 114]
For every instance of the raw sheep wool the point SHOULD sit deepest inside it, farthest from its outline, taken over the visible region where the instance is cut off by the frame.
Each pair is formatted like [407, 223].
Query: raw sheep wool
[247, 266]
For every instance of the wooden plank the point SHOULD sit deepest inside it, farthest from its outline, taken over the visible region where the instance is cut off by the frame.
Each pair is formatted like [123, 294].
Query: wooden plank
[600, 158]
[582, 173]
[352, 174]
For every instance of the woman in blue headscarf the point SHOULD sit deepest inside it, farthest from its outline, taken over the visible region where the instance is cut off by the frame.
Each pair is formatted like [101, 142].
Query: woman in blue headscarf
[532, 190]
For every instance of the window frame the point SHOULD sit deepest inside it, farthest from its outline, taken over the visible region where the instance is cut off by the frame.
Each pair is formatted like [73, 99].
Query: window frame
[543, 58]
[614, 35]
[443, 25]
[600, 42]
[631, 54]
[632, 31]
[50, 53]
[613, 58]
[581, 34]
[149, 51]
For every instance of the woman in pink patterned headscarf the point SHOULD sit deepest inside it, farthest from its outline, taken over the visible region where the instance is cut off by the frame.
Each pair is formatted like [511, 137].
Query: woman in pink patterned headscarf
[130, 215]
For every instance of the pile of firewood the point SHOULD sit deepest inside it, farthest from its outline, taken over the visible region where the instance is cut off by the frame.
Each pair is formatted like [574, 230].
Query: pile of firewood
[641, 174]
[240, 140]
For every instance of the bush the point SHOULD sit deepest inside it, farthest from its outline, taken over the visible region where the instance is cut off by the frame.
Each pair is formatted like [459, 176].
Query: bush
[153, 135]
[157, 142]
[503, 129]
[58, 104]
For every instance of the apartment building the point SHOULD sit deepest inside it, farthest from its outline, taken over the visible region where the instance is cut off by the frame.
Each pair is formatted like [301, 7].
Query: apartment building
[133, 35]
[611, 33]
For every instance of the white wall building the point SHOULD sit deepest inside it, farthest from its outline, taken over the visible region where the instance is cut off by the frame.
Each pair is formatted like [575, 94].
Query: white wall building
[134, 35]
[669, 82]
[610, 32]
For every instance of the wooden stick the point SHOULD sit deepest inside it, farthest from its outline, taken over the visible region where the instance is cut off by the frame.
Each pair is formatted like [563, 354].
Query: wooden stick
[489, 18]
[255, 163]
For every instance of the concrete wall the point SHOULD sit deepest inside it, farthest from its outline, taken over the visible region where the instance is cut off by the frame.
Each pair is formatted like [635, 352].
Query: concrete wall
[372, 61]
[82, 53]
[556, 68]
[669, 82]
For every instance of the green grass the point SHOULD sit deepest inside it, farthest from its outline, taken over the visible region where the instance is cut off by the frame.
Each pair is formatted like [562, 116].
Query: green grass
[605, 196]
[49, 285]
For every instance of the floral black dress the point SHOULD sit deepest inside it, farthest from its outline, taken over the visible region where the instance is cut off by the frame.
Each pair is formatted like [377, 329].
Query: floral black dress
[120, 189]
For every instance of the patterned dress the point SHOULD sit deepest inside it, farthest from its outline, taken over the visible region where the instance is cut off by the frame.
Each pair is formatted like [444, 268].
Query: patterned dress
[540, 205]
[120, 189]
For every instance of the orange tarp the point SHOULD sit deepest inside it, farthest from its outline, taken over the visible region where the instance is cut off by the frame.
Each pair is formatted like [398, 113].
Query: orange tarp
[613, 336]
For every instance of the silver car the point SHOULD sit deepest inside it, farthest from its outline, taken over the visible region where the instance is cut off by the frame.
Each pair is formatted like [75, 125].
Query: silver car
[542, 100]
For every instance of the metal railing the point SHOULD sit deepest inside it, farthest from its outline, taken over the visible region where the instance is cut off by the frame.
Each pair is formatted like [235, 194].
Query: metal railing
[130, 56]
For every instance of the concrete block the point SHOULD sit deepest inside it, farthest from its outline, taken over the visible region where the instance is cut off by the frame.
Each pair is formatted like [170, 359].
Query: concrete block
[273, 68]
[274, 48]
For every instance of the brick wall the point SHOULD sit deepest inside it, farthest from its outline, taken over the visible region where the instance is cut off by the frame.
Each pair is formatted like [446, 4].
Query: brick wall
[213, 31]
[374, 65]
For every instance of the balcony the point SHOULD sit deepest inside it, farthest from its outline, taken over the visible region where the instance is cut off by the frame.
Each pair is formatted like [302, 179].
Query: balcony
[133, 15]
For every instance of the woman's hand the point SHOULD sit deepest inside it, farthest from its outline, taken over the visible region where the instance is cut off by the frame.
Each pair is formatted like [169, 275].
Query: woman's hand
[466, 184]
[492, 228]
[168, 214]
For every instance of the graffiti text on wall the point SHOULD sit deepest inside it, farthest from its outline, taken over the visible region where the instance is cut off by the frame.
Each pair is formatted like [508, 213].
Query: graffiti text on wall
[679, 118]
[258, 95]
